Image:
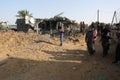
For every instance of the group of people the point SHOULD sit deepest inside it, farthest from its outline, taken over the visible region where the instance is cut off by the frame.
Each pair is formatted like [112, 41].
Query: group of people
[91, 36]
[82, 27]
[105, 40]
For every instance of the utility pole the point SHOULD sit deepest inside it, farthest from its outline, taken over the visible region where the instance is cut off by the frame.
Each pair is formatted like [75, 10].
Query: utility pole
[114, 17]
[98, 15]
[51, 28]
[37, 28]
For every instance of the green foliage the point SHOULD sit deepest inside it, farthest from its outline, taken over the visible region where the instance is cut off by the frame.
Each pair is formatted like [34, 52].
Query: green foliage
[23, 13]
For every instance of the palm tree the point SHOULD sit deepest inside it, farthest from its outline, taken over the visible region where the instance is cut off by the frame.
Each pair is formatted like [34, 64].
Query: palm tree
[23, 13]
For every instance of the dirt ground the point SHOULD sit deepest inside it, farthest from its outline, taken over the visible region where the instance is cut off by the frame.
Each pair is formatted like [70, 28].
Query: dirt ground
[28, 56]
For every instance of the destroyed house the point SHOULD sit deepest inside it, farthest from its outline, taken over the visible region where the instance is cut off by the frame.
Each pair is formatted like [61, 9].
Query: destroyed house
[44, 25]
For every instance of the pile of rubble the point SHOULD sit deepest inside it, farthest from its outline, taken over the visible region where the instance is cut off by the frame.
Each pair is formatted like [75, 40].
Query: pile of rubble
[16, 43]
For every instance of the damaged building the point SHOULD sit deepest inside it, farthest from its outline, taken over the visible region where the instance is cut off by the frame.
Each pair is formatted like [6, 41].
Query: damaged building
[44, 26]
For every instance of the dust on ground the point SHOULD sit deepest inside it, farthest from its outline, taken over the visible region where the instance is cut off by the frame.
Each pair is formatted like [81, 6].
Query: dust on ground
[28, 56]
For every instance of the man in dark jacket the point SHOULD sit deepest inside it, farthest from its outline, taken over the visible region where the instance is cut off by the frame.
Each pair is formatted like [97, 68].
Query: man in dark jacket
[90, 40]
[105, 40]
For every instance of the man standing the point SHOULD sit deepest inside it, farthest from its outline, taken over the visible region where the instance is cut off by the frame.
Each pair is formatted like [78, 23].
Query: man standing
[90, 40]
[81, 26]
[105, 40]
[117, 56]
[61, 31]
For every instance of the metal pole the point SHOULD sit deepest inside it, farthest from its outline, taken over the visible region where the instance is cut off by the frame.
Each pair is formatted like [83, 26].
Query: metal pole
[98, 15]
[113, 17]
[116, 17]
[37, 28]
[50, 28]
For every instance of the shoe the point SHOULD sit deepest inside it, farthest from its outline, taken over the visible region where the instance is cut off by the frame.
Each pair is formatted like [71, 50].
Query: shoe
[118, 62]
[60, 44]
[92, 54]
[114, 62]
[94, 51]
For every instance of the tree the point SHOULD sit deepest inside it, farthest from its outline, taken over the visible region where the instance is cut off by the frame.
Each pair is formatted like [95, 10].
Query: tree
[23, 13]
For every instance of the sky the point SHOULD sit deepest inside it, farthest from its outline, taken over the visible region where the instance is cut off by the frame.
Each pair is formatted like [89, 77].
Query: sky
[78, 10]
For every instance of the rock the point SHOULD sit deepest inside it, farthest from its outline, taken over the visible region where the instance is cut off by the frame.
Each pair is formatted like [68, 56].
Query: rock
[74, 68]
[77, 52]
[7, 55]
[95, 63]
[88, 70]
[82, 45]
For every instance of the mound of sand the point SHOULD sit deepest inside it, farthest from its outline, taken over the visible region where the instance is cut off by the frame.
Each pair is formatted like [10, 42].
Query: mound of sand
[28, 56]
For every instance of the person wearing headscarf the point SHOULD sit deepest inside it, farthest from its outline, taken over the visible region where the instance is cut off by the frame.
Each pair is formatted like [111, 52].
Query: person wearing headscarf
[90, 39]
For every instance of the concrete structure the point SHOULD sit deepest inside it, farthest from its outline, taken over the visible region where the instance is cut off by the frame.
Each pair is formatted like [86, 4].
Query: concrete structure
[21, 26]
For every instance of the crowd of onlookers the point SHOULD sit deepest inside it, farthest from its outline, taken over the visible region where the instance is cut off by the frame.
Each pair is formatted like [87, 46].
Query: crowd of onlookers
[107, 34]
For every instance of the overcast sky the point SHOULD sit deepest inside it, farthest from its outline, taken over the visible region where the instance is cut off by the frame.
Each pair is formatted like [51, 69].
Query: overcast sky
[79, 10]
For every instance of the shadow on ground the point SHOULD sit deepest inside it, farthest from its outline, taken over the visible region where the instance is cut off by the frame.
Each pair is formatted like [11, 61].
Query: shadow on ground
[74, 55]
[26, 69]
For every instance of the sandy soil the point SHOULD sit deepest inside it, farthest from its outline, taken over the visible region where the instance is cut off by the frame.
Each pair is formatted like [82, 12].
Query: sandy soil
[28, 56]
